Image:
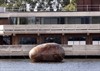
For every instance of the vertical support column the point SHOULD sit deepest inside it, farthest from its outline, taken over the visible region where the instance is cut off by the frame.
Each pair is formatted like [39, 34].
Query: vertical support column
[87, 8]
[91, 20]
[8, 21]
[42, 20]
[14, 39]
[89, 40]
[64, 39]
[1, 40]
[39, 39]
[18, 20]
[99, 7]
[11, 40]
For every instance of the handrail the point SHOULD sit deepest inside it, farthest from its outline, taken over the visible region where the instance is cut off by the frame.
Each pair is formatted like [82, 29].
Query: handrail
[86, 28]
[78, 8]
[63, 45]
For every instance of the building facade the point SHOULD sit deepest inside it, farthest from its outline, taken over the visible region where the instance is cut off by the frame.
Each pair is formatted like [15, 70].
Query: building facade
[90, 5]
[79, 25]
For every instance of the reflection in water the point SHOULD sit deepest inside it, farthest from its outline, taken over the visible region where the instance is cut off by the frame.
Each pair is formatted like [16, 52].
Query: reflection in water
[66, 65]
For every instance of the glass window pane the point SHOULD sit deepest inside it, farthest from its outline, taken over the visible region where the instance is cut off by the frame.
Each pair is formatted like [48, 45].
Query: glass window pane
[74, 20]
[38, 20]
[82, 42]
[96, 20]
[6, 40]
[95, 43]
[27, 40]
[31, 20]
[96, 40]
[13, 20]
[76, 43]
[47, 20]
[54, 21]
[70, 43]
[23, 20]
[52, 39]
[50, 20]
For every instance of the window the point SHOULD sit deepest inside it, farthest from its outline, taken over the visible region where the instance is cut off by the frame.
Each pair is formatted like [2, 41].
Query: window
[27, 40]
[52, 39]
[50, 20]
[1, 40]
[6, 40]
[74, 20]
[96, 41]
[76, 41]
[61, 20]
[95, 20]
[22, 20]
[85, 20]
[38, 20]
[31, 20]
[77, 20]
[13, 20]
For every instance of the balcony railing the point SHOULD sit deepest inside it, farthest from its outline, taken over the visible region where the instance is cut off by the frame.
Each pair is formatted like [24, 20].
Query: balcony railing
[78, 8]
[88, 8]
[56, 28]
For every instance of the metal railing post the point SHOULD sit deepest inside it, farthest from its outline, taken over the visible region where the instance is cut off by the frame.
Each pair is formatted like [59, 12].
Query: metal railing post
[87, 7]
[99, 7]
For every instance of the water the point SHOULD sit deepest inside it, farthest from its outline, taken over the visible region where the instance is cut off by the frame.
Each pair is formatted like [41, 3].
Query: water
[66, 65]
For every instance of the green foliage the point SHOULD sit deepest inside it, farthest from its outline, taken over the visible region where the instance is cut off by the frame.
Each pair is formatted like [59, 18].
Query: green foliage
[68, 5]
[73, 1]
[71, 6]
[1, 2]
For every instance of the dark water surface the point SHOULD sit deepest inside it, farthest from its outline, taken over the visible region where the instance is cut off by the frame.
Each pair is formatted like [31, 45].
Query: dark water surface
[66, 65]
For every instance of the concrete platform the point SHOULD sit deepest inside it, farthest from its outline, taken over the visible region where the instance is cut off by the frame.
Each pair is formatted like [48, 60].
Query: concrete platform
[75, 50]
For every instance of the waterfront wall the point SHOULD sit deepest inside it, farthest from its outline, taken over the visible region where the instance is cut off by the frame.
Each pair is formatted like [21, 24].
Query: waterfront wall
[23, 50]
